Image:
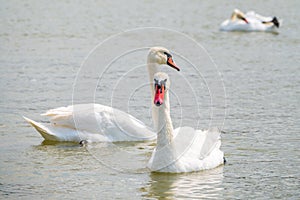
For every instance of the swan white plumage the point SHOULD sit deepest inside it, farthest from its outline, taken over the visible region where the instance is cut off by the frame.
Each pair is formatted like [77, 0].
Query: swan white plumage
[249, 22]
[96, 122]
[183, 149]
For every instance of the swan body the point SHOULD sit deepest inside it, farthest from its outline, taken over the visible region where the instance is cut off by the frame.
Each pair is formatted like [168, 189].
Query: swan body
[92, 122]
[96, 122]
[183, 149]
[249, 22]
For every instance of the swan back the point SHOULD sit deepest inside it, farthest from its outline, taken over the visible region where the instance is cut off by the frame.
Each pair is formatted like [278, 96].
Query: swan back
[190, 150]
[97, 119]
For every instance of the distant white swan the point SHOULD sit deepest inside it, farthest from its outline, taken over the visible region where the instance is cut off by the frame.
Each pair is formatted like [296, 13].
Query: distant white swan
[95, 122]
[183, 149]
[249, 22]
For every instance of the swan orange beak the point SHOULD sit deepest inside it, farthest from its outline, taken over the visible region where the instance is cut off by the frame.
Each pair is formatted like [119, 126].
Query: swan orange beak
[159, 95]
[171, 63]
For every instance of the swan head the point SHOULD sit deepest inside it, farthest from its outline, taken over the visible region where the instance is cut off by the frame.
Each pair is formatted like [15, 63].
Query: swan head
[161, 56]
[237, 14]
[161, 86]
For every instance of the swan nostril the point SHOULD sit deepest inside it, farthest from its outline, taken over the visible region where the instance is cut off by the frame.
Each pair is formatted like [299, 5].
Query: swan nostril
[158, 103]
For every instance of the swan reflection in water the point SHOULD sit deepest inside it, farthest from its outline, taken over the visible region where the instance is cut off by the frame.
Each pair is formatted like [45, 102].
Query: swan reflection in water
[203, 184]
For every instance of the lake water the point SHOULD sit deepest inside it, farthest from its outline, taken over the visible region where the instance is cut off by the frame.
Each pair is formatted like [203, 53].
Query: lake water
[44, 46]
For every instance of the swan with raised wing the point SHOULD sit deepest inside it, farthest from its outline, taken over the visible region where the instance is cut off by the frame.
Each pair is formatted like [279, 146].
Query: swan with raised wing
[183, 149]
[96, 122]
[250, 21]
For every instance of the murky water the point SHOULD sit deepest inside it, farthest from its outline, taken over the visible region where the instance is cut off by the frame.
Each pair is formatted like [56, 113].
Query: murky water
[42, 48]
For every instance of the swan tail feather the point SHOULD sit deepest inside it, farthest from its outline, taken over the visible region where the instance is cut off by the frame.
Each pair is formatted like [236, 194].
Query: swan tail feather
[212, 141]
[43, 130]
[58, 111]
[60, 117]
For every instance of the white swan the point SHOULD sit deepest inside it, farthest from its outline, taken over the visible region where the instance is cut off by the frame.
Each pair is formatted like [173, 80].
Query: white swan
[95, 122]
[249, 22]
[183, 149]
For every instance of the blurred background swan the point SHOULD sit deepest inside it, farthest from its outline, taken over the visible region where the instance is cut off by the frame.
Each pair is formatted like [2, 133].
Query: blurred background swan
[250, 21]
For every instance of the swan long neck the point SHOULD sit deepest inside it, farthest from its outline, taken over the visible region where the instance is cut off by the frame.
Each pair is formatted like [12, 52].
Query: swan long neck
[152, 69]
[164, 123]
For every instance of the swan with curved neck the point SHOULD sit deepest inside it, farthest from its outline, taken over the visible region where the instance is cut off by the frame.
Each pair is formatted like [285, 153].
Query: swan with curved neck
[96, 122]
[249, 22]
[158, 56]
[183, 149]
